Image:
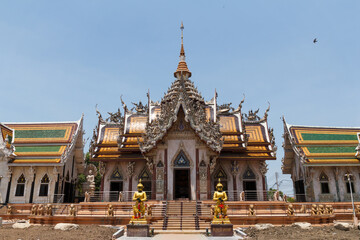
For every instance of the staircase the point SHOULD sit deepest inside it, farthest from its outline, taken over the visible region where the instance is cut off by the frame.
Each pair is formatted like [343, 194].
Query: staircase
[181, 215]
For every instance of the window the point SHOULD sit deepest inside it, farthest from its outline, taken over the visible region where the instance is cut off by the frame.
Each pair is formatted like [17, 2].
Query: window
[325, 188]
[324, 182]
[348, 187]
[20, 187]
[44, 186]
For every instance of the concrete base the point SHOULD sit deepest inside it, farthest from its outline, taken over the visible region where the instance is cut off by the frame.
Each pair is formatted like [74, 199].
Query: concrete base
[138, 230]
[221, 230]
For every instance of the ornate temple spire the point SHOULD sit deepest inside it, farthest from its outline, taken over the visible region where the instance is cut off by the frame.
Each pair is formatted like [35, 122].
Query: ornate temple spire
[182, 66]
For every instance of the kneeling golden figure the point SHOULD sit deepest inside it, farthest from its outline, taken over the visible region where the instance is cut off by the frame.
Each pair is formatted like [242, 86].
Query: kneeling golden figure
[220, 209]
[139, 207]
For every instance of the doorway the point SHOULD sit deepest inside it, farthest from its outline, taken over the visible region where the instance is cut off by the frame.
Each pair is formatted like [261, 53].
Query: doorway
[250, 190]
[182, 183]
[115, 186]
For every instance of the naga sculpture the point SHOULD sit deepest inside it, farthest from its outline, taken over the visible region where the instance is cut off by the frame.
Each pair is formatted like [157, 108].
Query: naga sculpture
[139, 207]
[220, 209]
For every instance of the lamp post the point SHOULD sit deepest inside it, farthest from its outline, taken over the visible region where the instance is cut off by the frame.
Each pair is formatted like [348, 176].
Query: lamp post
[348, 175]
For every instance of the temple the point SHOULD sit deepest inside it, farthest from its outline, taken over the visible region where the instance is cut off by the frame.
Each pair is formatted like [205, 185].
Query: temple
[181, 145]
[319, 159]
[40, 162]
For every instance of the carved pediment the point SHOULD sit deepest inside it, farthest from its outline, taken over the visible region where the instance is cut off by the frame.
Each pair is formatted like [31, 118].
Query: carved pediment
[194, 114]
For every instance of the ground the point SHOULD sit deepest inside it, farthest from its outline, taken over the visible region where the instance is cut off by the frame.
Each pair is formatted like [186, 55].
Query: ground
[85, 232]
[46, 232]
[292, 232]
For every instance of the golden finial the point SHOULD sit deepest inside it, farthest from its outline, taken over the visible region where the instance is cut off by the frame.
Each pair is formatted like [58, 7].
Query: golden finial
[140, 184]
[182, 29]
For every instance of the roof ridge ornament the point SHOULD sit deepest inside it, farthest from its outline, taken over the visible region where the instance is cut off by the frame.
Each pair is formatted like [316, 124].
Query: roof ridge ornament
[182, 66]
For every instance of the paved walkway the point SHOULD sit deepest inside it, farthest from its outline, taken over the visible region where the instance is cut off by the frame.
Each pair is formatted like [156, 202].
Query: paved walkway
[179, 237]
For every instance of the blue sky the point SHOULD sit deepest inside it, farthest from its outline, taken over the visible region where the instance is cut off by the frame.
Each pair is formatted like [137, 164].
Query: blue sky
[58, 59]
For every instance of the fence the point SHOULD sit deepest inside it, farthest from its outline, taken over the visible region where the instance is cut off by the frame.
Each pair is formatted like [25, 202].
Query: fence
[115, 196]
[258, 195]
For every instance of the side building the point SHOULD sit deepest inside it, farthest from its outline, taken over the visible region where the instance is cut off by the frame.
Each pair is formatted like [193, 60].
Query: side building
[46, 161]
[318, 159]
[6, 153]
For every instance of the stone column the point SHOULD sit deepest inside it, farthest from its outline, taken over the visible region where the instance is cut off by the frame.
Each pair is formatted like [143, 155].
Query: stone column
[153, 185]
[263, 171]
[234, 173]
[130, 173]
[197, 185]
[165, 175]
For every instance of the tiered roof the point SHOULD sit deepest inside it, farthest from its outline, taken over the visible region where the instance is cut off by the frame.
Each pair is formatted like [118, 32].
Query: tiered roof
[44, 143]
[320, 146]
[221, 128]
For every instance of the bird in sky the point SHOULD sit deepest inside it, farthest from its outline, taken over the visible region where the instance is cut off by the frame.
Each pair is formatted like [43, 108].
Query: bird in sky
[315, 40]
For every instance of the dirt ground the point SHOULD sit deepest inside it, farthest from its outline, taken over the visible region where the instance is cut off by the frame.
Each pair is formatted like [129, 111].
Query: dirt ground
[292, 232]
[46, 232]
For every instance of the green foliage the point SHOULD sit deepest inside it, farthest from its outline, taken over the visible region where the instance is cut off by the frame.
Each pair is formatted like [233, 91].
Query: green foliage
[97, 182]
[271, 193]
[79, 185]
[290, 199]
[87, 160]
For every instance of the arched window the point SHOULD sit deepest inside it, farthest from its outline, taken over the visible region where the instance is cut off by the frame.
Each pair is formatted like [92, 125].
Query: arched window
[181, 160]
[220, 174]
[44, 186]
[145, 177]
[20, 187]
[324, 182]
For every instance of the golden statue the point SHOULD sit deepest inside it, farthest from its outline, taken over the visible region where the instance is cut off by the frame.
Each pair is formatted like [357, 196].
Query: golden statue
[290, 211]
[139, 207]
[220, 209]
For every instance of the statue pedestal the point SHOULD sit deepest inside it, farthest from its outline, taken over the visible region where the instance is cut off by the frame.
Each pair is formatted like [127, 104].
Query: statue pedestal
[221, 230]
[138, 230]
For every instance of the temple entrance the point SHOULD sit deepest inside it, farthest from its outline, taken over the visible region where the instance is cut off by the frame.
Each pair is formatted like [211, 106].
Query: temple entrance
[249, 185]
[115, 186]
[182, 183]
[250, 190]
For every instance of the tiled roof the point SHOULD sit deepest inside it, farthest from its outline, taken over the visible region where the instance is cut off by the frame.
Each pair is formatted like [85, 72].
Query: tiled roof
[42, 142]
[259, 146]
[325, 145]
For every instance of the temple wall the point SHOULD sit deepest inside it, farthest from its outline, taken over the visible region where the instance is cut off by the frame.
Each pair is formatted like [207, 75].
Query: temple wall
[335, 195]
[242, 168]
[188, 146]
[29, 177]
[4, 178]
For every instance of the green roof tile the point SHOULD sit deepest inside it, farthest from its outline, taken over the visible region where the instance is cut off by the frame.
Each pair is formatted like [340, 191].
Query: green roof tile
[60, 133]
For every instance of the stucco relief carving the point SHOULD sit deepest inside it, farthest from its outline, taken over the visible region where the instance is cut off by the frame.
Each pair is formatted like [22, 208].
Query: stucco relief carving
[195, 115]
[263, 168]
[309, 188]
[160, 177]
[212, 164]
[102, 168]
[9, 172]
[203, 176]
[181, 149]
[130, 169]
[234, 168]
[150, 164]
